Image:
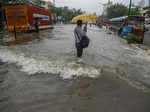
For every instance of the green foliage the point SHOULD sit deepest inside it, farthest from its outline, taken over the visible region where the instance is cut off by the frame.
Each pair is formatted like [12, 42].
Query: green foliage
[37, 2]
[116, 10]
[64, 13]
[4, 2]
[133, 39]
[135, 11]
[1, 15]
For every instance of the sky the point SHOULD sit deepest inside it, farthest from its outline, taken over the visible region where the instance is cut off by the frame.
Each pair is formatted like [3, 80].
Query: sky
[90, 6]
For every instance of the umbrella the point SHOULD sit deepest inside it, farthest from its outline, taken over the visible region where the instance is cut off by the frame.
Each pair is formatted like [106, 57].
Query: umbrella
[85, 18]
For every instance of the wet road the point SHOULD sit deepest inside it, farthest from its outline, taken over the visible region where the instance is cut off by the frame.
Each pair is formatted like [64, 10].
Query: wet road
[43, 76]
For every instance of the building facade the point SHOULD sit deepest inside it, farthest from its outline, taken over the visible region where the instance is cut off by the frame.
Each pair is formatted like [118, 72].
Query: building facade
[43, 3]
[46, 4]
[145, 13]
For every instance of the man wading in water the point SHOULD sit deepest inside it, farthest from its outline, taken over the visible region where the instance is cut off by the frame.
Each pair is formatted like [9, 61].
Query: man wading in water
[79, 34]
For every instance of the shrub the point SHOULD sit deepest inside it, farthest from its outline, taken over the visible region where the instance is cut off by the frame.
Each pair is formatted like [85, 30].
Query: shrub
[1, 27]
[133, 38]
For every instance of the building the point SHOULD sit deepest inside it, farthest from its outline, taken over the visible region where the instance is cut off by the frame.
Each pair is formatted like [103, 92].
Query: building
[23, 17]
[43, 3]
[145, 12]
[46, 4]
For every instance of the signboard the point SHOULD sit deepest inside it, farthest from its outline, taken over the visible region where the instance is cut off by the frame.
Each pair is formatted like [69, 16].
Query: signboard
[43, 17]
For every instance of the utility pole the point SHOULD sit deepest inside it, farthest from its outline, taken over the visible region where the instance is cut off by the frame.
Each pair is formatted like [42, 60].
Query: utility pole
[130, 8]
[149, 4]
[54, 2]
[108, 4]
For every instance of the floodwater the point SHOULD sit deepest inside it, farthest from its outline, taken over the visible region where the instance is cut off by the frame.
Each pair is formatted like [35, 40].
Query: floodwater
[44, 76]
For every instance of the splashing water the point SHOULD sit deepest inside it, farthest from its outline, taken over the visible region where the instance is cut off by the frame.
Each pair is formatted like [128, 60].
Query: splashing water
[32, 65]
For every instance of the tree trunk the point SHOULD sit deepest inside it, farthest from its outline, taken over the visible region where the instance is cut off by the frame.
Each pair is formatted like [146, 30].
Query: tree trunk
[1, 17]
[149, 4]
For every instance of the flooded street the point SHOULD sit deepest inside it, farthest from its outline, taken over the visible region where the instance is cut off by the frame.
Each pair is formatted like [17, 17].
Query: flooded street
[43, 76]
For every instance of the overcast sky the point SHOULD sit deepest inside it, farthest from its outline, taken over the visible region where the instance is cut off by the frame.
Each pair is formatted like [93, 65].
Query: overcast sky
[90, 6]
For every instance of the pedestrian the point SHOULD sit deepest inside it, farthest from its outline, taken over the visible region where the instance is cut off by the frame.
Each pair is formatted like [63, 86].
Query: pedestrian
[85, 28]
[107, 26]
[36, 25]
[79, 34]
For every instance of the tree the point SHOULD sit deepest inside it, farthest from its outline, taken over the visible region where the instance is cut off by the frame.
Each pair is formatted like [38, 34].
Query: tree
[64, 13]
[37, 2]
[2, 3]
[135, 10]
[116, 10]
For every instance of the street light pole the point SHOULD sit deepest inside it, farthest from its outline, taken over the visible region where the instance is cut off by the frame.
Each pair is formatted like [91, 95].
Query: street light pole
[54, 2]
[130, 7]
[149, 4]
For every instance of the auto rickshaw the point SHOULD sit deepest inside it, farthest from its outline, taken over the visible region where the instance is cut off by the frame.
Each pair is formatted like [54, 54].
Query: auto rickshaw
[134, 25]
[137, 23]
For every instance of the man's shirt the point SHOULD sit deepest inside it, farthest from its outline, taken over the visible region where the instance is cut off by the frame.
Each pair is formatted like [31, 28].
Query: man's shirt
[78, 33]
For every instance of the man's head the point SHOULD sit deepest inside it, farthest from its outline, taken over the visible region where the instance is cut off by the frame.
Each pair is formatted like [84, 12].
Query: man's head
[79, 22]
